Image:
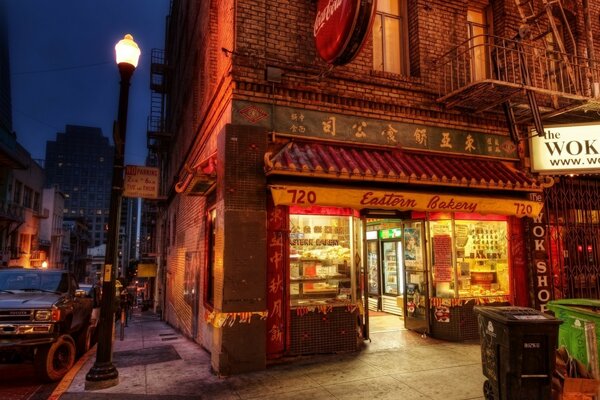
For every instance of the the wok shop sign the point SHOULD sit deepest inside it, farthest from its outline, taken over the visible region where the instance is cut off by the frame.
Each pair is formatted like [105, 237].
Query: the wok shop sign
[541, 274]
[341, 27]
[566, 150]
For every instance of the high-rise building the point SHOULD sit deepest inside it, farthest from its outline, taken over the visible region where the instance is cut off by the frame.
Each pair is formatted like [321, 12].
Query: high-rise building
[79, 162]
[5, 96]
[128, 233]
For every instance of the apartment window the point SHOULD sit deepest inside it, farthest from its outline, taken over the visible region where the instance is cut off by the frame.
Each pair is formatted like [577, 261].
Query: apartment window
[556, 76]
[18, 192]
[25, 243]
[211, 234]
[36, 201]
[27, 196]
[478, 30]
[390, 44]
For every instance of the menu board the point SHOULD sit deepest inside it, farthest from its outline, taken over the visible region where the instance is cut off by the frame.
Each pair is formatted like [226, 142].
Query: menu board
[442, 258]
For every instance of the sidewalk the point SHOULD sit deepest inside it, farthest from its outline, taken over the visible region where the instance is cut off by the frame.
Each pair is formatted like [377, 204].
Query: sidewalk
[156, 362]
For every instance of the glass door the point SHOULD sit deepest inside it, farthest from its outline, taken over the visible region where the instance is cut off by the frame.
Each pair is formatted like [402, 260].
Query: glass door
[416, 296]
[390, 267]
[373, 267]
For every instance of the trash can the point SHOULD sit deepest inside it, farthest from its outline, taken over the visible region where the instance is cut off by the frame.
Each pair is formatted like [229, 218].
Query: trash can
[571, 334]
[518, 347]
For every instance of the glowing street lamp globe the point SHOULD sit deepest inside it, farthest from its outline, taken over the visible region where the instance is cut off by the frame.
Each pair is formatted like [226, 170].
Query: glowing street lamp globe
[127, 51]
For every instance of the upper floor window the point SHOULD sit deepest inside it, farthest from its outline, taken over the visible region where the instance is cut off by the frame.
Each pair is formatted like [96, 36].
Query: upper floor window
[390, 44]
[36, 201]
[27, 197]
[18, 192]
[478, 31]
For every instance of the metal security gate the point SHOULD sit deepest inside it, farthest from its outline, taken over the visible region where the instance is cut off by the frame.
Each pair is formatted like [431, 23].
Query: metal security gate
[573, 217]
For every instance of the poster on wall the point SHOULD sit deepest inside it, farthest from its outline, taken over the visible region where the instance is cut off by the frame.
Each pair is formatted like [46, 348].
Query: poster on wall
[442, 314]
[442, 258]
[412, 246]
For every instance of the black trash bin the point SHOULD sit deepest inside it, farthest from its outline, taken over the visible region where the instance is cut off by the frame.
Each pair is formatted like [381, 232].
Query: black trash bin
[518, 347]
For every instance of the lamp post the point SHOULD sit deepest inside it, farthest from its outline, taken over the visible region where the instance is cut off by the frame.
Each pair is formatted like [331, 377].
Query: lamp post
[103, 373]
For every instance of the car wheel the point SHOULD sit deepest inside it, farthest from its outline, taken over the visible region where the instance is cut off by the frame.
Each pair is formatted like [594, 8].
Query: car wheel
[54, 361]
[488, 391]
[84, 340]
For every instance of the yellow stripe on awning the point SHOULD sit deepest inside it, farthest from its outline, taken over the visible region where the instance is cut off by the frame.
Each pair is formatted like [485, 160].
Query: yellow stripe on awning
[305, 196]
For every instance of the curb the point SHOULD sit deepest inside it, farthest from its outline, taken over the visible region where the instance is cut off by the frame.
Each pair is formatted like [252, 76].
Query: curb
[66, 381]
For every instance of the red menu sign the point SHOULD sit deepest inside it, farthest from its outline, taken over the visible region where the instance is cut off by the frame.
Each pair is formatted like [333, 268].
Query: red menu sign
[341, 27]
[442, 258]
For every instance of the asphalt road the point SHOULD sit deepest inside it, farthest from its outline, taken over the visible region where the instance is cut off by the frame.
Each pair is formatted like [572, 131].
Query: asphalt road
[18, 382]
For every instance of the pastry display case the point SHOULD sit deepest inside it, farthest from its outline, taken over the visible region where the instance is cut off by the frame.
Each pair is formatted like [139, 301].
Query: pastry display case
[320, 272]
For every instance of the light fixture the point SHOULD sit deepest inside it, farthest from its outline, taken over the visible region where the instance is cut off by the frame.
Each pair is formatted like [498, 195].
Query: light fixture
[127, 51]
[103, 373]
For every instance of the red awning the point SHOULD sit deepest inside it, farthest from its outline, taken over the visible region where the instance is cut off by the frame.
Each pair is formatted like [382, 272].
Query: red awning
[350, 162]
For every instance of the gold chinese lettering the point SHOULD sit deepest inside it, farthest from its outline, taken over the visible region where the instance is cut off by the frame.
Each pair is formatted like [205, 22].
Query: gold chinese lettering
[446, 140]
[470, 143]
[329, 126]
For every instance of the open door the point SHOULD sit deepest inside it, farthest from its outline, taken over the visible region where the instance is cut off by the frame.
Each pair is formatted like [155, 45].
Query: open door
[416, 285]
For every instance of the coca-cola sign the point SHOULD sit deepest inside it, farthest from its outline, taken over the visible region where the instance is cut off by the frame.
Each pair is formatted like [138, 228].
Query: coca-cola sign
[341, 27]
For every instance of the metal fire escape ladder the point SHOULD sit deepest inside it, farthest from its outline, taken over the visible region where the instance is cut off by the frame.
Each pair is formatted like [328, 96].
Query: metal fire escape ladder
[157, 135]
[533, 29]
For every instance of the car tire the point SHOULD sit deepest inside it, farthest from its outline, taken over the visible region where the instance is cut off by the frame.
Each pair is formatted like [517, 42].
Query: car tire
[53, 361]
[84, 340]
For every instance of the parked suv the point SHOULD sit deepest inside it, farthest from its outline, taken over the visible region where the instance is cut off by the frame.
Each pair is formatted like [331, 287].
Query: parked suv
[44, 318]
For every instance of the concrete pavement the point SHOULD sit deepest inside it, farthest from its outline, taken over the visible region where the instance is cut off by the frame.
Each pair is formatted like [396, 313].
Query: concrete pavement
[157, 362]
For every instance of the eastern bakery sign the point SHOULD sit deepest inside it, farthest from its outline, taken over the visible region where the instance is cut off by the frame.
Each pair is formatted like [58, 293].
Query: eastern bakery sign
[358, 199]
[566, 149]
[341, 27]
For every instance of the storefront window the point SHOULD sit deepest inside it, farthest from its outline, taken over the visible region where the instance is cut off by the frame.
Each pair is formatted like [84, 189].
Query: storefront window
[469, 258]
[321, 268]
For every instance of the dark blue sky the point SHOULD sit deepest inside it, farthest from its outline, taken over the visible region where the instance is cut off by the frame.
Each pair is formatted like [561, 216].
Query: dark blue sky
[63, 70]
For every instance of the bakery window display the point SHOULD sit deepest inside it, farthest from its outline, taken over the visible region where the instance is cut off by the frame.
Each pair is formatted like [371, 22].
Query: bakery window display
[320, 260]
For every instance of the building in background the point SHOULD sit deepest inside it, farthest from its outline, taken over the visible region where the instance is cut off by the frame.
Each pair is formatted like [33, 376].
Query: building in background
[128, 235]
[12, 156]
[94, 263]
[75, 245]
[79, 163]
[52, 233]
[309, 181]
[25, 189]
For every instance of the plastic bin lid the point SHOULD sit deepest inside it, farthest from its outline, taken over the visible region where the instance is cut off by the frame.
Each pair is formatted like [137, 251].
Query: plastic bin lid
[516, 315]
[576, 302]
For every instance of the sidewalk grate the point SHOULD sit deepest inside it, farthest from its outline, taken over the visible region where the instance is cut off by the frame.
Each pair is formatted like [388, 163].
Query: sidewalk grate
[150, 355]
[168, 336]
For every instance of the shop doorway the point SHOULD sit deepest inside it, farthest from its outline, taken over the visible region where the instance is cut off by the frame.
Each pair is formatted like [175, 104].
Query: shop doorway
[396, 272]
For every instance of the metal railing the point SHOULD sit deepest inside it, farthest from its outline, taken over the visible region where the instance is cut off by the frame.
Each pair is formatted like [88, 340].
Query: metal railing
[12, 211]
[487, 57]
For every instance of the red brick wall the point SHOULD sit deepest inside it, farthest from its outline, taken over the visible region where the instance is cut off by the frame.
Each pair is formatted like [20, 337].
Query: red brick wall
[219, 51]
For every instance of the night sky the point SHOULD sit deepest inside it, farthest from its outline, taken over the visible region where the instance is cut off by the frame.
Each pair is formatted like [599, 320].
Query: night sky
[63, 70]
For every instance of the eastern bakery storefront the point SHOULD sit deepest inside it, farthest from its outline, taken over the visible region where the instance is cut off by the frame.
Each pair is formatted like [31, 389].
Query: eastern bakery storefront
[394, 226]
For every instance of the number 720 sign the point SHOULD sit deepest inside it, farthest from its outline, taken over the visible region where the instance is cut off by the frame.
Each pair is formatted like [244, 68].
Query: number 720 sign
[306, 196]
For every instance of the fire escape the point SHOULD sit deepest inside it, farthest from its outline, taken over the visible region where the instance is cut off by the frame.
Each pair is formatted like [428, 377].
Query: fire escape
[157, 134]
[538, 77]
[158, 143]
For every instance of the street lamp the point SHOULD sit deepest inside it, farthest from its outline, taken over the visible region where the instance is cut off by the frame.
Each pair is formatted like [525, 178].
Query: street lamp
[103, 373]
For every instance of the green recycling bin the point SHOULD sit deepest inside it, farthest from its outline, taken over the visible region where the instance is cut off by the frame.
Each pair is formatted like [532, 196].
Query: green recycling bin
[571, 334]
[518, 346]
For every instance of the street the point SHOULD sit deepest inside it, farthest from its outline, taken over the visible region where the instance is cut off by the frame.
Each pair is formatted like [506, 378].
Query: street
[18, 382]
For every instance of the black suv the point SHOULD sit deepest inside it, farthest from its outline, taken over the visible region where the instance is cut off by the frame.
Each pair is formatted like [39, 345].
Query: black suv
[44, 318]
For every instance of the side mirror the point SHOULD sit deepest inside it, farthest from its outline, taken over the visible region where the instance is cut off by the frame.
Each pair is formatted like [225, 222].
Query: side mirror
[81, 293]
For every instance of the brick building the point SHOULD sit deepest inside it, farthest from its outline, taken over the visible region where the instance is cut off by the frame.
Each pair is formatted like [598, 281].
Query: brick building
[312, 176]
